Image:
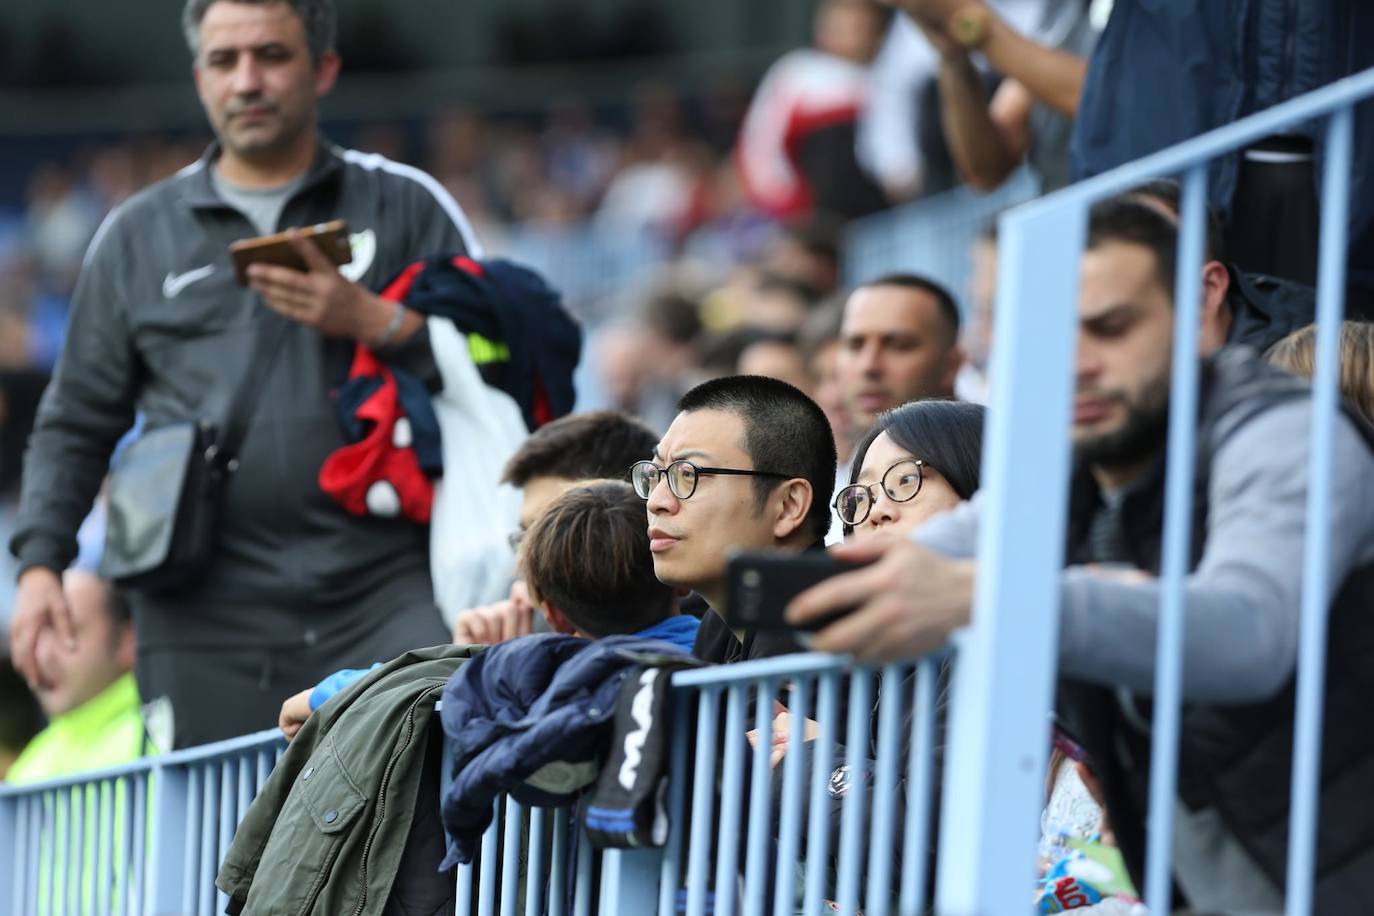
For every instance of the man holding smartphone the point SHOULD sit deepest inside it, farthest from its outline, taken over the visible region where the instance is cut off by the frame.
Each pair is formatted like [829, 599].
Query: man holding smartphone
[297, 587]
[1243, 591]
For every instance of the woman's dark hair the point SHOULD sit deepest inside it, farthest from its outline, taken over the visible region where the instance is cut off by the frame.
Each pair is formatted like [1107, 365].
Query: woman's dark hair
[946, 435]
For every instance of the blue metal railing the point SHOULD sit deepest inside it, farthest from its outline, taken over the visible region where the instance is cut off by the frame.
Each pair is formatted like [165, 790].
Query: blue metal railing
[747, 838]
[145, 837]
[932, 236]
[724, 854]
[1002, 694]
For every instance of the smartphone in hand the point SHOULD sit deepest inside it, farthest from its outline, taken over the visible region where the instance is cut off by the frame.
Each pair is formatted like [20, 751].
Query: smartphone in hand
[761, 585]
[331, 238]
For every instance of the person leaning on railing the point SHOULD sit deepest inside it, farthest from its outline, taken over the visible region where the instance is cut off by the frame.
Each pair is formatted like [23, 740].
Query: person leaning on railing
[1243, 594]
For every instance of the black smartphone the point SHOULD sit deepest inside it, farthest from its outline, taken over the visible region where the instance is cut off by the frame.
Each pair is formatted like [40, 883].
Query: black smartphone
[761, 585]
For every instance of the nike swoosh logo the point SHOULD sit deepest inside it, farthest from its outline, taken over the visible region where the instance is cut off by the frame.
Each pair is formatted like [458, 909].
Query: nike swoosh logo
[175, 283]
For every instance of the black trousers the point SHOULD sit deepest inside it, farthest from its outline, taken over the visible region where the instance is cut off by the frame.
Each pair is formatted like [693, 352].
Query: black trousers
[223, 666]
[1275, 219]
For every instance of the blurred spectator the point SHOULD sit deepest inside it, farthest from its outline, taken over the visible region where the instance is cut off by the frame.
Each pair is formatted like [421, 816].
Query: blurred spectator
[819, 341]
[578, 158]
[457, 144]
[1030, 114]
[797, 148]
[60, 222]
[731, 231]
[296, 586]
[777, 304]
[21, 718]
[648, 364]
[88, 692]
[971, 384]
[653, 192]
[809, 253]
[899, 342]
[1266, 194]
[894, 139]
[1296, 354]
[775, 355]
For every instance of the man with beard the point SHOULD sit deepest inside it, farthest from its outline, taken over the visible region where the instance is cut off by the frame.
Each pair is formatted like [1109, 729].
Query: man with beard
[1243, 593]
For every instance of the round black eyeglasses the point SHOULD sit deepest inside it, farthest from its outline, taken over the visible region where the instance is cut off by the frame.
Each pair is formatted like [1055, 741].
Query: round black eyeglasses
[901, 483]
[683, 475]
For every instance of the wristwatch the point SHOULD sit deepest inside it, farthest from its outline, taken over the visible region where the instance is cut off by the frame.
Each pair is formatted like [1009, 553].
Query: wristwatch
[969, 25]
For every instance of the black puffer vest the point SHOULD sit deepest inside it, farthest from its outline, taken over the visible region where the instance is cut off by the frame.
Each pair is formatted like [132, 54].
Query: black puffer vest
[1237, 759]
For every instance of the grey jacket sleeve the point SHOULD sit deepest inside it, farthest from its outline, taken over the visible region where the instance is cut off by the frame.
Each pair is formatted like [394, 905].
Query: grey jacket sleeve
[88, 405]
[436, 225]
[1246, 592]
[953, 533]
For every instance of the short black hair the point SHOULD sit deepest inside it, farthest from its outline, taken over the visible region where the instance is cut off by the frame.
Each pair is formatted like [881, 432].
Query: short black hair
[318, 16]
[946, 435]
[1169, 192]
[588, 555]
[944, 300]
[596, 445]
[1124, 219]
[784, 431]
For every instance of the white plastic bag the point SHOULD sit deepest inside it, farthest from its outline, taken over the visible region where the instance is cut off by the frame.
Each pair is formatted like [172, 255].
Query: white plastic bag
[470, 558]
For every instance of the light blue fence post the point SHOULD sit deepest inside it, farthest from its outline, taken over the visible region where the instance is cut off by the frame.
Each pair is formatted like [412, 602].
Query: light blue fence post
[1302, 845]
[167, 872]
[629, 881]
[1177, 549]
[10, 841]
[999, 734]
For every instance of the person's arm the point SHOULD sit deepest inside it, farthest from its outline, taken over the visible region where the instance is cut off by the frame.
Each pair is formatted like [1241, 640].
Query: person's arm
[986, 142]
[1245, 595]
[87, 406]
[1053, 76]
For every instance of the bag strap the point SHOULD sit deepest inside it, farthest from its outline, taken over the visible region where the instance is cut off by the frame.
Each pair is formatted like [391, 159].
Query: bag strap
[269, 333]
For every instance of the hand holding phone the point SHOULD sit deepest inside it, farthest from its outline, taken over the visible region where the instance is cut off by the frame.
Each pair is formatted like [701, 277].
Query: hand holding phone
[761, 585]
[330, 238]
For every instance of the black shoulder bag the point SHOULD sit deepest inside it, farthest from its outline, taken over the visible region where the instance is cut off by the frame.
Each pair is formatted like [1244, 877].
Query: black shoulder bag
[166, 493]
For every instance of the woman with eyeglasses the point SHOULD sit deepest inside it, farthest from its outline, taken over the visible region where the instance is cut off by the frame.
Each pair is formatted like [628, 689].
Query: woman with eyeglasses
[918, 461]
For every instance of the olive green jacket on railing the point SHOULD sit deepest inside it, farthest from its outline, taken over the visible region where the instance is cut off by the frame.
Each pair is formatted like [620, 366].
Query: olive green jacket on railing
[329, 829]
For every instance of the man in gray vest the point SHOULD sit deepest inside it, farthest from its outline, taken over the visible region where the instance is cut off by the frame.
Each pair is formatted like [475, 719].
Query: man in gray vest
[1243, 592]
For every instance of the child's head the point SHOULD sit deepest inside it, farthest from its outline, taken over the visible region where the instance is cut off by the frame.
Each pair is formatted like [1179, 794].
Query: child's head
[588, 566]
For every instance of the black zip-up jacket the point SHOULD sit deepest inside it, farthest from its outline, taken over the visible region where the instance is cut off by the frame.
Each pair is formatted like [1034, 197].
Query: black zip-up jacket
[159, 326]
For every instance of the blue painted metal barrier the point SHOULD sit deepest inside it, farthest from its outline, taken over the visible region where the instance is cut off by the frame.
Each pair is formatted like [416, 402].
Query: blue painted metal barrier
[847, 816]
[1001, 695]
[146, 837]
[846, 819]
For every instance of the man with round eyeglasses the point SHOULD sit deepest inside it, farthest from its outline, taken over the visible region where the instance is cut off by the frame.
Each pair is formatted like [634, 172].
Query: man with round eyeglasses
[740, 468]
